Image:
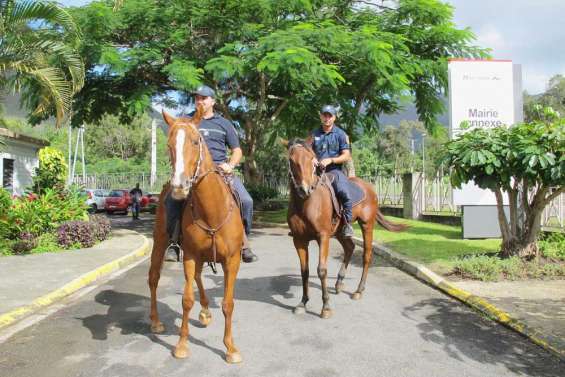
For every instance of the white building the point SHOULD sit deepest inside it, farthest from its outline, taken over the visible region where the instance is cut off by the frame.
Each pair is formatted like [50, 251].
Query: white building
[18, 160]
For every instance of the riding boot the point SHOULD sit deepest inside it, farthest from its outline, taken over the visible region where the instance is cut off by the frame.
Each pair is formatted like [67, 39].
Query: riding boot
[246, 254]
[172, 254]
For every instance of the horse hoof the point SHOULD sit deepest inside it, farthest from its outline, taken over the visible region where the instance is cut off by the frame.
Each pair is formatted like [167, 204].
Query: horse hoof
[157, 328]
[326, 313]
[234, 358]
[181, 352]
[299, 310]
[205, 317]
[356, 296]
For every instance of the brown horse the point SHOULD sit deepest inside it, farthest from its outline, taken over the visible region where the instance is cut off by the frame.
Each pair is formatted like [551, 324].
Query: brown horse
[310, 215]
[212, 229]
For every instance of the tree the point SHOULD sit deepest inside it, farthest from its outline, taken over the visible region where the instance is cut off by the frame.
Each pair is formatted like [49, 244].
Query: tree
[526, 162]
[38, 56]
[52, 171]
[272, 62]
[553, 97]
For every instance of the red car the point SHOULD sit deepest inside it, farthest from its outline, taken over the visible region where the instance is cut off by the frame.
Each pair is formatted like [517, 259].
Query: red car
[118, 201]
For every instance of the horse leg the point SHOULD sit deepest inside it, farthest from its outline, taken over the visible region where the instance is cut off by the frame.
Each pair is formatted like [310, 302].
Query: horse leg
[181, 349]
[231, 267]
[324, 244]
[205, 316]
[157, 254]
[302, 250]
[348, 247]
[367, 229]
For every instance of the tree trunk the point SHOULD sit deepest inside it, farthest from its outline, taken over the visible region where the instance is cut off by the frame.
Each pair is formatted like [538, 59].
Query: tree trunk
[519, 248]
[250, 170]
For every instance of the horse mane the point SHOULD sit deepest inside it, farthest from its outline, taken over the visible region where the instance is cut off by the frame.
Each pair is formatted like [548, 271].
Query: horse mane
[298, 141]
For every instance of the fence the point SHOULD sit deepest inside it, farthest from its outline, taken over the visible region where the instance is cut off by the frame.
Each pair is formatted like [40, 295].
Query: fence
[435, 198]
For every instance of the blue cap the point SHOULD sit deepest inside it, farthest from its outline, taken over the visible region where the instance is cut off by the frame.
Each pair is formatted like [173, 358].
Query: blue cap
[204, 91]
[329, 109]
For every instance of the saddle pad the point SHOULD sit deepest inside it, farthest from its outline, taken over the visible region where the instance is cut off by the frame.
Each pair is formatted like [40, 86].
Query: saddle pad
[356, 192]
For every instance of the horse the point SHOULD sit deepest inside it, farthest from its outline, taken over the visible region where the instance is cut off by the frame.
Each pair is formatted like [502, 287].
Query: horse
[211, 231]
[309, 217]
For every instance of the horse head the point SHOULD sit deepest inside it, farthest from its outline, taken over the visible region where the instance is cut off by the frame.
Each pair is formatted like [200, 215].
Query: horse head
[302, 165]
[186, 152]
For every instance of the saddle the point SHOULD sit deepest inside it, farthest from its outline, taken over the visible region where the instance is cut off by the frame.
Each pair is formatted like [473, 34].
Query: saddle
[356, 193]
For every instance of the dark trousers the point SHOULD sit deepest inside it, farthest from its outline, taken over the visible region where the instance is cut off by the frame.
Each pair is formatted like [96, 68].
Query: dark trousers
[341, 187]
[135, 210]
[174, 208]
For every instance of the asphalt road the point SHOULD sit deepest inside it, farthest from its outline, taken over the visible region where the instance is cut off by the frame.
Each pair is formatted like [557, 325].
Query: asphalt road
[399, 328]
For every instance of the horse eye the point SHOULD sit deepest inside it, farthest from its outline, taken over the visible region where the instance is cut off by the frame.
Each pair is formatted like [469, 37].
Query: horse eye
[194, 142]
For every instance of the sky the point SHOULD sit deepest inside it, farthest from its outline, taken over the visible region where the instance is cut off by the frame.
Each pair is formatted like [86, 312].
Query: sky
[528, 32]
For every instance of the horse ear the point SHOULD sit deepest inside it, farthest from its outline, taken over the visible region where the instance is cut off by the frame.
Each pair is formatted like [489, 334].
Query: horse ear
[169, 119]
[197, 117]
[284, 142]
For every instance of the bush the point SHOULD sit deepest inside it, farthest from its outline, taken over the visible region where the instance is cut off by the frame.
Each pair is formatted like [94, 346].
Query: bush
[480, 267]
[100, 226]
[552, 246]
[46, 242]
[260, 193]
[26, 241]
[52, 170]
[42, 213]
[73, 233]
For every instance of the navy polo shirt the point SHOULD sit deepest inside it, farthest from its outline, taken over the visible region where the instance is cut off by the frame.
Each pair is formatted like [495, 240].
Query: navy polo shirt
[329, 144]
[218, 132]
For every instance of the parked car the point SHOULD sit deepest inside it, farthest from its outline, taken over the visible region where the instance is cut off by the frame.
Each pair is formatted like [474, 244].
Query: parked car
[96, 199]
[149, 202]
[118, 201]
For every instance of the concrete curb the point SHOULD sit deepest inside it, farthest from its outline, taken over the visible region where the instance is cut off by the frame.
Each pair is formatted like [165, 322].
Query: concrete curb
[548, 342]
[14, 315]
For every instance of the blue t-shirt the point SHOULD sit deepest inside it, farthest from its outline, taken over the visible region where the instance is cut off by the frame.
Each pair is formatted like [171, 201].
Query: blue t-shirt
[329, 144]
[218, 132]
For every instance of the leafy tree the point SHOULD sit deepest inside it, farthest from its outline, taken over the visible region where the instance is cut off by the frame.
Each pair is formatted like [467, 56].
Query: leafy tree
[38, 56]
[553, 97]
[272, 62]
[526, 161]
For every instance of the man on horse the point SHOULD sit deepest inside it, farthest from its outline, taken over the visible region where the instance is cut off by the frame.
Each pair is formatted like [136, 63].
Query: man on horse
[331, 146]
[219, 135]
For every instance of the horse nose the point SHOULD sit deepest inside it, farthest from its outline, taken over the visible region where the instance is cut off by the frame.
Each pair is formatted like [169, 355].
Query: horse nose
[305, 189]
[179, 193]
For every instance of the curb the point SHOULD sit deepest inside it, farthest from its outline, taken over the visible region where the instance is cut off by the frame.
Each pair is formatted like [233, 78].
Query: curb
[14, 315]
[550, 343]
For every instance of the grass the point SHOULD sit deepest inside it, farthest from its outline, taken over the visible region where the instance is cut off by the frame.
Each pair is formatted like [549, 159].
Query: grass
[278, 216]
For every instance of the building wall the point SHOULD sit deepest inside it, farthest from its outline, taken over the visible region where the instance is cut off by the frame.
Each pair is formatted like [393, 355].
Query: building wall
[25, 161]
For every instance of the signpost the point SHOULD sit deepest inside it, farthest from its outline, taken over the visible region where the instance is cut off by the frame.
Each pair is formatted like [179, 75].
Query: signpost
[482, 94]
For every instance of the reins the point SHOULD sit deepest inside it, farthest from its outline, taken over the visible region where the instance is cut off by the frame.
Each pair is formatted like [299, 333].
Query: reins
[314, 168]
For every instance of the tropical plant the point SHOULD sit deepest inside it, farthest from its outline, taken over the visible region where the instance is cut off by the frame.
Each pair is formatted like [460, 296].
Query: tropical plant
[52, 170]
[38, 56]
[526, 162]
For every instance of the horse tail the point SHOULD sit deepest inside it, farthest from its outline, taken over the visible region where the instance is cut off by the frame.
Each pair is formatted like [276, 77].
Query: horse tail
[389, 225]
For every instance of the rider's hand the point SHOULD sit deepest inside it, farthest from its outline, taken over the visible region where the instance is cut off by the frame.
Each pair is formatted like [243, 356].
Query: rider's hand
[326, 161]
[226, 168]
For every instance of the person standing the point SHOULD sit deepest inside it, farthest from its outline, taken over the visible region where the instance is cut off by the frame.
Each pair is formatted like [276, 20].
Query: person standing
[136, 195]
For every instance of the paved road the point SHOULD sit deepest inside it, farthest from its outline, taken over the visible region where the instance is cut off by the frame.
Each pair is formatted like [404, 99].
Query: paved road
[400, 328]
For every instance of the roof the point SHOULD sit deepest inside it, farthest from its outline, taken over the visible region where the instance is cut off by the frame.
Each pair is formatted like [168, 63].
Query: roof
[23, 138]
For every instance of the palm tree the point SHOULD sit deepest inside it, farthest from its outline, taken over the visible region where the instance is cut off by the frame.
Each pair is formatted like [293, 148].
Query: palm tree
[38, 57]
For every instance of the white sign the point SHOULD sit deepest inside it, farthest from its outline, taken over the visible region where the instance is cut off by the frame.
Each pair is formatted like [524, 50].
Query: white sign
[483, 94]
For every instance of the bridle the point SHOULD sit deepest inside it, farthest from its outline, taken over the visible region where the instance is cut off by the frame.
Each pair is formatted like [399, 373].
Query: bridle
[193, 182]
[315, 167]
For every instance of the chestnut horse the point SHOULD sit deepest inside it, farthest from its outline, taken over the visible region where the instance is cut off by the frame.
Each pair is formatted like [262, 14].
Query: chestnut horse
[212, 229]
[310, 215]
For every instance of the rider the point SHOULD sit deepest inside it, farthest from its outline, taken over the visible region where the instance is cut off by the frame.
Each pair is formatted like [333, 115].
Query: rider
[331, 145]
[219, 133]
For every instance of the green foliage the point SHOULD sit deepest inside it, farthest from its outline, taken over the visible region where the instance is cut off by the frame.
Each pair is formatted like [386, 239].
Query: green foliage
[492, 268]
[260, 193]
[52, 171]
[39, 58]
[553, 97]
[552, 246]
[42, 214]
[272, 62]
[46, 242]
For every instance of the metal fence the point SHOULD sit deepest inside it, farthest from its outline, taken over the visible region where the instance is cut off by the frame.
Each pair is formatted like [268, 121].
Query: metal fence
[437, 195]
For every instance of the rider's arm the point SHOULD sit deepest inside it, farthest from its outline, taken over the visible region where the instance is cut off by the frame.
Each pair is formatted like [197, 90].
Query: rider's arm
[235, 157]
[343, 157]
[344, 149]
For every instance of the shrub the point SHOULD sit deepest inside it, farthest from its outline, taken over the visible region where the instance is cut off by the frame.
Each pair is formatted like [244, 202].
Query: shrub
[52, 170]
[71, 233]
[26, 241]
[47, 242]
[552, 246]
[100, 226]
[480, 267]
[260, 193]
